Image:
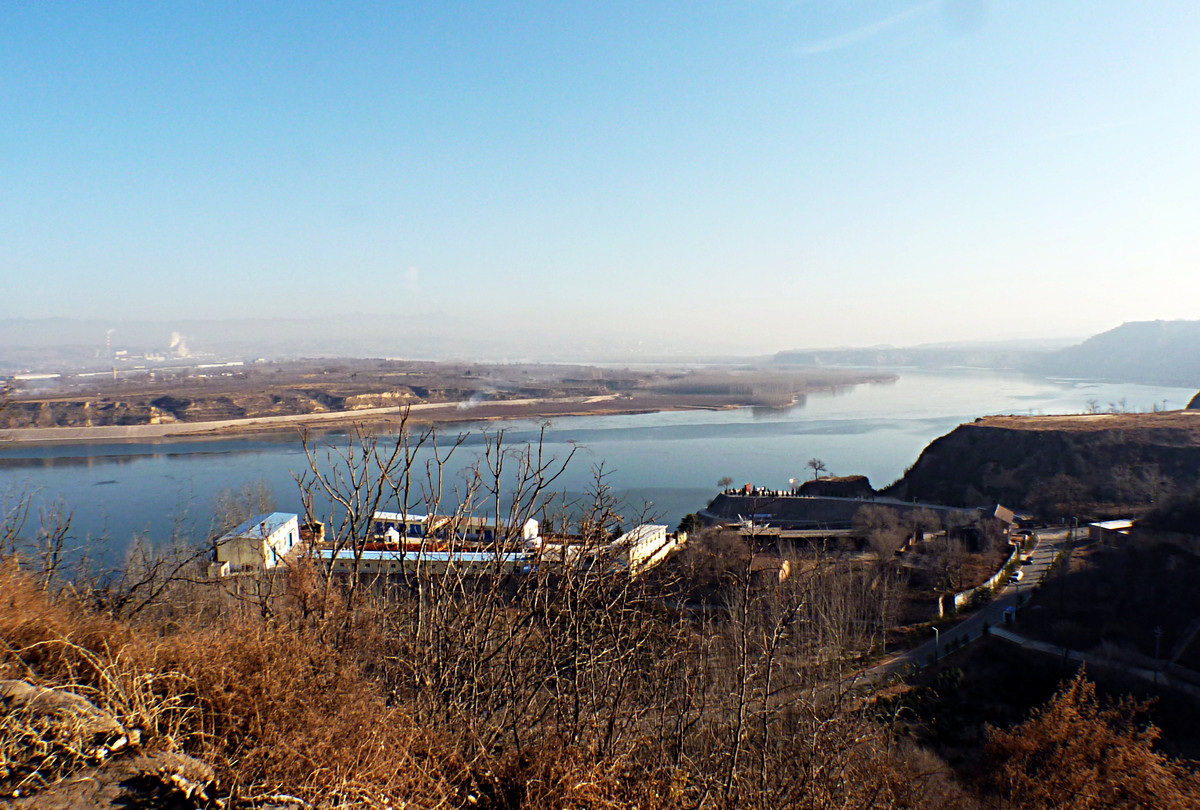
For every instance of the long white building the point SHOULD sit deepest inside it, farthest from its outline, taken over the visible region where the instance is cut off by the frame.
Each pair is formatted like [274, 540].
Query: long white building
[394, 527]
[400, 561]
[636, 551]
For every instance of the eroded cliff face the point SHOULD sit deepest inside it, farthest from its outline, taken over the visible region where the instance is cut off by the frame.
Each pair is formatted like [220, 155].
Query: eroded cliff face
[846, 486]
[150, 409]
[1103, 463]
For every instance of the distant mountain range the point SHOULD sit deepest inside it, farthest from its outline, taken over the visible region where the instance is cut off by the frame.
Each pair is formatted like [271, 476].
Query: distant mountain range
[1153, 352]
[1148, 352]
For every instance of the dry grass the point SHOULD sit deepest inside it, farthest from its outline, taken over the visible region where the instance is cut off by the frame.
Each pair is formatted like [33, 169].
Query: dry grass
[271, 711]
[296, 702]
[1184, 424]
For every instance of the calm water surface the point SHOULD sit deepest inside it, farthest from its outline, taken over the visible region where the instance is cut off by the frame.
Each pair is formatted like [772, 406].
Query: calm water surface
[666, 464]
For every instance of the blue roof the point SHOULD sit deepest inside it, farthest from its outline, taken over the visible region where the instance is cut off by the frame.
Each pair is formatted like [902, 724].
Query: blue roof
[263, 525]
[429, 556]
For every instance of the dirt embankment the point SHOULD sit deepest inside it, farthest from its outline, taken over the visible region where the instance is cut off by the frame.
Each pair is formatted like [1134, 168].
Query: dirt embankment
[284, 398]
[1102, 464]
[148, 409]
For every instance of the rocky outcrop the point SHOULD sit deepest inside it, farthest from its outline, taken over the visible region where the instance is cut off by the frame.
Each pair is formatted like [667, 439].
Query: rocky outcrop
[1126, 461]
[846, 486]
[59, 751]
[61, 725]
[1194, 405]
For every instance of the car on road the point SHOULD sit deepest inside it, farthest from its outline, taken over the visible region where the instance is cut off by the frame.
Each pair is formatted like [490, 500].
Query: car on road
[1027, 560]
[1016, 577]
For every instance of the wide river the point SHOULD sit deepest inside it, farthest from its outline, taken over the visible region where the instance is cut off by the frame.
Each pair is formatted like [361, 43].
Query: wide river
[661, 464]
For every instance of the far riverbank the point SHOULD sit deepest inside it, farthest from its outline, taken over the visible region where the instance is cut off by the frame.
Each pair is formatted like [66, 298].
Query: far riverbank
[380, 418]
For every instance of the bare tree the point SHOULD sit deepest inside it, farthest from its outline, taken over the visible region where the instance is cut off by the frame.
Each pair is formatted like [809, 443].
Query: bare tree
[1157, 484]
[881, 529]
[885, 536]
[920, 522]
[949, 558]
[360, 478]
[817, 466]
[234, 506]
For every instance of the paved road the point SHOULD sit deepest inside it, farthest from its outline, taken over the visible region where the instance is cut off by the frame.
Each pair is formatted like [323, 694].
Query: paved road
[1049, 543]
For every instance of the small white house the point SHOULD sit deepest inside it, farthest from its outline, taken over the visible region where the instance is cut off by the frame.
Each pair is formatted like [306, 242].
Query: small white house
[1109, 531]
[259, 543]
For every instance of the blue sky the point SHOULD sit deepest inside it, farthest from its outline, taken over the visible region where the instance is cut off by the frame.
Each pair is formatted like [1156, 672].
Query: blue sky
[741, 176]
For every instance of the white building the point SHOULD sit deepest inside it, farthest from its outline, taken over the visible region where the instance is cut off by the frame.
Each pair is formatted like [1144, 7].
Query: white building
[1109, 531]
[258, 544]
[483, 531]
[636, 551]
[394, 527]
[643, 547]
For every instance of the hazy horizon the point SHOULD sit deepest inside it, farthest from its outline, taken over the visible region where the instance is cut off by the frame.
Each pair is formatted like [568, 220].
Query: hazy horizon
[684, 178]
[90, 342]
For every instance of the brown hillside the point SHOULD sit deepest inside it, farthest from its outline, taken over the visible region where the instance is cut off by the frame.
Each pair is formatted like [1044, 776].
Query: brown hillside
[1095, 464]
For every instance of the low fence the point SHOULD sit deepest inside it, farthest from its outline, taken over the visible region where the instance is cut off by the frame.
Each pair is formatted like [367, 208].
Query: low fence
[963, 598]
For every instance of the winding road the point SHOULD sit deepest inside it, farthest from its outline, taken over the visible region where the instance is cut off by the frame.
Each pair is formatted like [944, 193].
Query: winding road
[1048, 544]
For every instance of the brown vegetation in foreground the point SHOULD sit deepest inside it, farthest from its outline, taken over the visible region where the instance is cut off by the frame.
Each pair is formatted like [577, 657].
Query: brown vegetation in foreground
[557, 687]
[1077, 753]
[581, 704]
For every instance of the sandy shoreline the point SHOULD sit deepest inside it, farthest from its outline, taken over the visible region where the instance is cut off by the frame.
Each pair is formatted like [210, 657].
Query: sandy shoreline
[423, 413]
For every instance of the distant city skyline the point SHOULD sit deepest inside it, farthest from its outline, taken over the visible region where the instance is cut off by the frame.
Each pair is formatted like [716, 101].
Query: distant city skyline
[741, 177]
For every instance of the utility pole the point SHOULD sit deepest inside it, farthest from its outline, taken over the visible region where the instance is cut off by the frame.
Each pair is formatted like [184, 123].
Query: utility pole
[936, 640]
